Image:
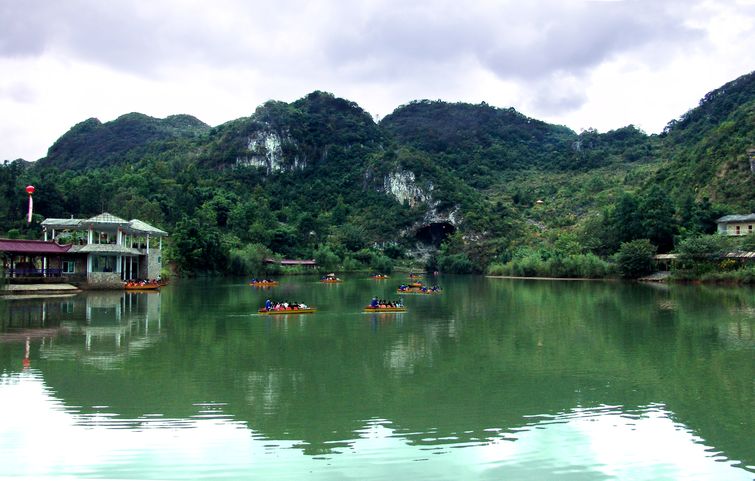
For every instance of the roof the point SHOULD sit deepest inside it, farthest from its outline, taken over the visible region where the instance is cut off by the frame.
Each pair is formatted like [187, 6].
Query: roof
[22, 246]
[105, 249]
[736, 218]
[292, 262]
[740, 255]
[297, 262]
[106, 221]
[62, 223]
[106, 218]
[141, 226]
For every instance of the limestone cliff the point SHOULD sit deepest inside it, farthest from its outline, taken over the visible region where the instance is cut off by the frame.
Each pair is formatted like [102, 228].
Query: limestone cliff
[265, 149]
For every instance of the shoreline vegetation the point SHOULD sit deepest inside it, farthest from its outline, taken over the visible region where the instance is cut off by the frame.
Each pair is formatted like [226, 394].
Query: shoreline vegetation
[434, 186]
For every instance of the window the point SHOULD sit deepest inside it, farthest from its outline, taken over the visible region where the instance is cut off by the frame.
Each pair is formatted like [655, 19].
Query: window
[749, 228]
[736, 230]
[101, 263]
[68, 267]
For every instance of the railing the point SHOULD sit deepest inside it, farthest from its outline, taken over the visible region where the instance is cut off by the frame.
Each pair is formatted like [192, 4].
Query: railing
[26, 272]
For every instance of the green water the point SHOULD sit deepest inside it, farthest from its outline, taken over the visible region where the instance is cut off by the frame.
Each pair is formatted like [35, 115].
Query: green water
[492, 379]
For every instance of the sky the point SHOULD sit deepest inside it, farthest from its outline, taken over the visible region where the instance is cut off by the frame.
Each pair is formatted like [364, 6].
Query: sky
[583, 64]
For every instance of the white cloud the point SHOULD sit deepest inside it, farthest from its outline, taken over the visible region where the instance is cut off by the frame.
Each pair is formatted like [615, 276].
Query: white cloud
[582, 64]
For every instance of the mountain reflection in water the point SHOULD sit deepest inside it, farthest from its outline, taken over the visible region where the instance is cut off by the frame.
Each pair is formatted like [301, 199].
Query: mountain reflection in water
[512, 379]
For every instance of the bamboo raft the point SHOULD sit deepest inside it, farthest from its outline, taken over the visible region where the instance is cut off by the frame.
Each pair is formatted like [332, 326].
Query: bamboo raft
[265, 312]
[384, 309]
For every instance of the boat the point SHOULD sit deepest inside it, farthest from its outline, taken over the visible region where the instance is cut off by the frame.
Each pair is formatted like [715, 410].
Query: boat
[415, 276]
[263, 283]
[418, 290]
[141, 286]
[272, 312]
[379, 277]
[384, 309]
[330, 279]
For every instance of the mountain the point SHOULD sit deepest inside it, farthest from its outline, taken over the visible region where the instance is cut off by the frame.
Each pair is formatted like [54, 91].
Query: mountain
[707, 147]
[92, 144]
[453, 185]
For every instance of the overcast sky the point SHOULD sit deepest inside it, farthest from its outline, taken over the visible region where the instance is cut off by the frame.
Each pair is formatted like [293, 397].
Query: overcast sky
[584, 64]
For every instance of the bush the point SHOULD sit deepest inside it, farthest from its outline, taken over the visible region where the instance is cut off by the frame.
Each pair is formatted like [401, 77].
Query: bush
[351, 264]
[498, 269]
[745, 275]
[381, 264]
[700, 254]
[249, 260]
[588, 266]
[326, 259]
[635, 258]
[455, 264]
[747, 242]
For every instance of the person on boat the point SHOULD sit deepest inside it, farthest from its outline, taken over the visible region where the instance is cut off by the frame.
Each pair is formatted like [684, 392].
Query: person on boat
[268, 304]
[374, 302]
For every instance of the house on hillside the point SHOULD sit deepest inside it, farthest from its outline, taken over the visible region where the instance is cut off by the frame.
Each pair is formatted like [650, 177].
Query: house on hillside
[736, 224]
[102, 251]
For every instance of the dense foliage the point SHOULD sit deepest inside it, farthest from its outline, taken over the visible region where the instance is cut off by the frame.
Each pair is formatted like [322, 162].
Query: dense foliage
[319, 179]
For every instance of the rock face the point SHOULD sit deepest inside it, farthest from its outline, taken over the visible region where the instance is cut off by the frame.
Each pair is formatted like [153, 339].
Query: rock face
[402, 185]
[436, 224]
[266, 150]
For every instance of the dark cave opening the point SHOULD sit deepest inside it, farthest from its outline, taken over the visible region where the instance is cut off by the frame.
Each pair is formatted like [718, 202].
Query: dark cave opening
[435, 233]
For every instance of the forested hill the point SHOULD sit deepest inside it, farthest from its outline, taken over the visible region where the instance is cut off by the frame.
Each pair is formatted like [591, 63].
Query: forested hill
[707, 146]
[454, 185]
[126, 139]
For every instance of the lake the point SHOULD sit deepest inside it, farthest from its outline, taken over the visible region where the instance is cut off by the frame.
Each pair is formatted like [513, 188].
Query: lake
[491, 379]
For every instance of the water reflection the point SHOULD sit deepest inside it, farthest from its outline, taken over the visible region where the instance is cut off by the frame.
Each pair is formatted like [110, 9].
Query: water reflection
[492, 379]
[97, 328]
[605, 442]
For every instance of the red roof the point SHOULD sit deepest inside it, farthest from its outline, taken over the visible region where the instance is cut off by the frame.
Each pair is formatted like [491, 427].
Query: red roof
[292, 262]
[297, 262]
[20, 246]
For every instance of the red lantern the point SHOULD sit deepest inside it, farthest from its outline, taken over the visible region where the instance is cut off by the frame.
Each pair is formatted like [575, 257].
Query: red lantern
[30, 191]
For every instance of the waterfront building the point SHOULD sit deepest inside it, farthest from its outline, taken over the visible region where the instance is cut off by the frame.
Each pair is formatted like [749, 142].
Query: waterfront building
[101, 251]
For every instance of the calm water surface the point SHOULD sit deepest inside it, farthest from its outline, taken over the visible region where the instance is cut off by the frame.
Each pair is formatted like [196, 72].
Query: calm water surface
[493, 379]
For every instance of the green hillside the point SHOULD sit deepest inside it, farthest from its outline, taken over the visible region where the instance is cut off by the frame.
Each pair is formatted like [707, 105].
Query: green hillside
[126, 139]
[448, 185]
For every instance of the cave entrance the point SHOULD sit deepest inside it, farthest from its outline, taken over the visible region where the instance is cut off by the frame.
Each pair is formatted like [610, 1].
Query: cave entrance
[435, 233]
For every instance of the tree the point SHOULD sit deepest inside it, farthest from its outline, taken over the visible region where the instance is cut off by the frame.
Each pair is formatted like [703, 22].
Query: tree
[250, 259]
[626, 219]
[326, 259]
[635, 258]
[197, 248]
[657, 218]
[699, 253]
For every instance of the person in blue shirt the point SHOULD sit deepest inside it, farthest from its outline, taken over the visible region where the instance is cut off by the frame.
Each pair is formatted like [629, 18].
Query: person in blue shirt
[374, 302]
[268, 304]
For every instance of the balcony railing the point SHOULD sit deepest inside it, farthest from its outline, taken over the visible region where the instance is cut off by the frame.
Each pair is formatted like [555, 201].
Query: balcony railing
[27, 272]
